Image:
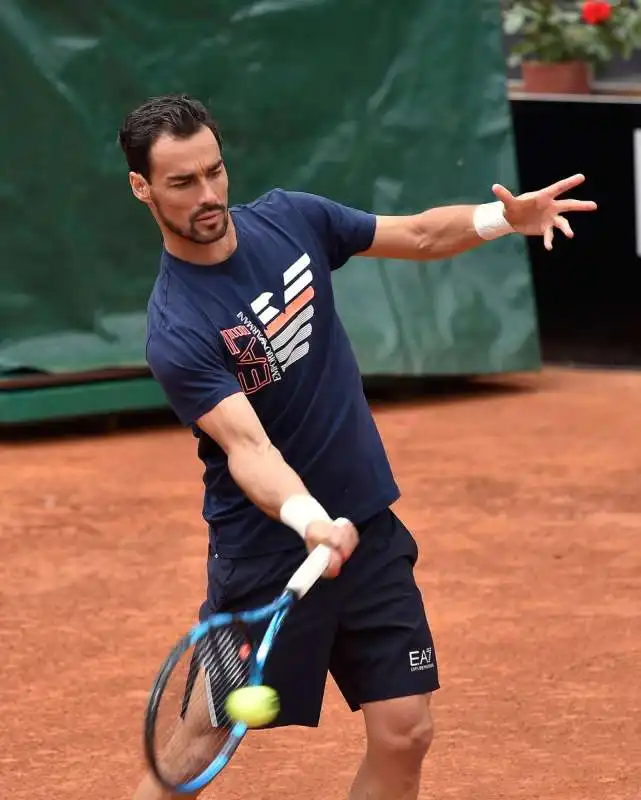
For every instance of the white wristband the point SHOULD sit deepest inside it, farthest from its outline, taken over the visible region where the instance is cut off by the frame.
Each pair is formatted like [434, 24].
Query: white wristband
[300, 510]
[489, 221]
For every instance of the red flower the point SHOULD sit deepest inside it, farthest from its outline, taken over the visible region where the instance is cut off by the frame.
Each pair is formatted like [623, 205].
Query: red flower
[595, 12]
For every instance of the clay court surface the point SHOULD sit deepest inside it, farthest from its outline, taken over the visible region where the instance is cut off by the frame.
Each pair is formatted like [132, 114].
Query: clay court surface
[526, 502]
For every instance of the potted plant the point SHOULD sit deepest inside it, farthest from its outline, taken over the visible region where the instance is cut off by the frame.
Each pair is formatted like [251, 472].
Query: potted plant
[558, 43]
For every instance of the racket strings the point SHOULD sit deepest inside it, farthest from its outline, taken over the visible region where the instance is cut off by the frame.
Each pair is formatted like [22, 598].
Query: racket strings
[226, 664]
[192, 725]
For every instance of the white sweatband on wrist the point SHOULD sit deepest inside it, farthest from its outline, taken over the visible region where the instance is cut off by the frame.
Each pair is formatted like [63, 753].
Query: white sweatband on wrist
[300, 510]
[489, 221]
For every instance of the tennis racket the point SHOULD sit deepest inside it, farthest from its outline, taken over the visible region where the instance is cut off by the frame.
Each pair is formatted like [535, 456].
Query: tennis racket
[188, 735]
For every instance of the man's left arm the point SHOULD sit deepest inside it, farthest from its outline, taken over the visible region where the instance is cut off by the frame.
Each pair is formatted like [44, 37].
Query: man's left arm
[449, 230]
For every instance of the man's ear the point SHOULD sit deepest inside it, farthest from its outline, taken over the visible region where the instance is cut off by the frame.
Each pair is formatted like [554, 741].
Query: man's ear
[140, 187]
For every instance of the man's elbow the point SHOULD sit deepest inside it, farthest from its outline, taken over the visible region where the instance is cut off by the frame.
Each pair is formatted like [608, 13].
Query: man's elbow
[243, 451]
[425, 242]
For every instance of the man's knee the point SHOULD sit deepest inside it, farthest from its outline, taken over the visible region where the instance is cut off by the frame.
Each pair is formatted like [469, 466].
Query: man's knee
[401, 728]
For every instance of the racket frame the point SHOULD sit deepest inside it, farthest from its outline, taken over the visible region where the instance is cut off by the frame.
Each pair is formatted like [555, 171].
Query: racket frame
[298, 585]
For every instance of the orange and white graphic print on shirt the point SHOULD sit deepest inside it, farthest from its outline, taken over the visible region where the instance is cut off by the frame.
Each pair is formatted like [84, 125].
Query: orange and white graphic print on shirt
[262, 358]
[288, 331]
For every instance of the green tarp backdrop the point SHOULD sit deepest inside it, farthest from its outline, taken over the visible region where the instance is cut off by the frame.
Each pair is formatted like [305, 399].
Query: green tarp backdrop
[389, 106]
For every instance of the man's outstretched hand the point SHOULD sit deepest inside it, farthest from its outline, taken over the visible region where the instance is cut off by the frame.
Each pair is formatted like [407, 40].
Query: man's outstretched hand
[539, 213]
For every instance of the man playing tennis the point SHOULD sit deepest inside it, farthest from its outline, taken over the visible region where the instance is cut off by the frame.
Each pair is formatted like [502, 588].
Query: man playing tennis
[244, 338]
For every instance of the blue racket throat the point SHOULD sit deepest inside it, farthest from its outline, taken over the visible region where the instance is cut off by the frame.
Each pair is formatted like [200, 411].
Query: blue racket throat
[276, 610]
[220, 620]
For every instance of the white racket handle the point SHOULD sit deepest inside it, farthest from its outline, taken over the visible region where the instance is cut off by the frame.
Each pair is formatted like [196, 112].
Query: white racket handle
[312, 567]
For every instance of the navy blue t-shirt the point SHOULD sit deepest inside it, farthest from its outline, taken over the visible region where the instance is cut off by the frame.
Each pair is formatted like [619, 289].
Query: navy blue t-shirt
[264, 322]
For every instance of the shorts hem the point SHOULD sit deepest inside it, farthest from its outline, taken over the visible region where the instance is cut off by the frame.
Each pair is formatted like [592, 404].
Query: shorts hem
[290, 722]
[379, 697]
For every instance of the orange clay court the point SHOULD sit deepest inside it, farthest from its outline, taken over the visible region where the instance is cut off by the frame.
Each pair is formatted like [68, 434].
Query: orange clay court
[526, 502]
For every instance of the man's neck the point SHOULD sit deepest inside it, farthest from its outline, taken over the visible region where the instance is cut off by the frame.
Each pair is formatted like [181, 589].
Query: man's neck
[205, 255]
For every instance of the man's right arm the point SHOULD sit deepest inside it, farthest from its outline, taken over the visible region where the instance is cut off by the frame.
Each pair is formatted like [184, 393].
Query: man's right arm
[259, 469]
[203, 391]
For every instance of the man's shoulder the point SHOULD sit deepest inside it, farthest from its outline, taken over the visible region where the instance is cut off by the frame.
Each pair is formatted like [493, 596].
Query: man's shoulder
[273, 199]
[285, 208]
[161, 300]
[172, 312]
[279, 200]
[177, 335]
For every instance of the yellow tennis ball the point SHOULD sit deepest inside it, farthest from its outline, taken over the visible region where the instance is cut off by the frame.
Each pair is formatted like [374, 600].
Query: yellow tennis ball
[253, 705]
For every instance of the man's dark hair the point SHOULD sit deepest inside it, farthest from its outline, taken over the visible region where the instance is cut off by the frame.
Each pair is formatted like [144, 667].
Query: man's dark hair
[176, 114]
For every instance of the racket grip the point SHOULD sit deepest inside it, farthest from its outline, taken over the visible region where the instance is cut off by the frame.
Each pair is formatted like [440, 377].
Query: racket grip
[312, 567]
[310, 570]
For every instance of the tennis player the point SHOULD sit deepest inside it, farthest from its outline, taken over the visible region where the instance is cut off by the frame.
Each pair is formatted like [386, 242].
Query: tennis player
[245, 340]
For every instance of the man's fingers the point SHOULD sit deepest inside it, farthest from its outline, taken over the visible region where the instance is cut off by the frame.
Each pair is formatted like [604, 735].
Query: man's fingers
[563, 206]
[335, 564]
[564, 226]
[343, 545]
[501, 193]
[340, 536]
[562, 186]
[343, 538]
[548, 236]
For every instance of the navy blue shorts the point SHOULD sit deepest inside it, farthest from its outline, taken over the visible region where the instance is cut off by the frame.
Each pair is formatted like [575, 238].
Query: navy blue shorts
[367, 627]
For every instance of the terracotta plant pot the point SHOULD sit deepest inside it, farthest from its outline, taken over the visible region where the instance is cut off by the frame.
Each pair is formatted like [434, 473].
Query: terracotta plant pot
[565, 77]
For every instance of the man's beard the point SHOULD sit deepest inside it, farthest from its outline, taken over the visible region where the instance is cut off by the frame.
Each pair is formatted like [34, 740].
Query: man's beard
[191, 233]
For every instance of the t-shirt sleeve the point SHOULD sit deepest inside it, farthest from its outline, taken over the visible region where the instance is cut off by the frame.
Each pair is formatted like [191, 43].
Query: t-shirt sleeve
[342, 231]
[193, 373]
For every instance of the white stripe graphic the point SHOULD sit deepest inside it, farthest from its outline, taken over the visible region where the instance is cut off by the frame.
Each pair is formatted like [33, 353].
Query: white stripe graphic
[290, 344]
[299, 352]
[297, 287]
[289, 330]
[285, 353]
[261, 301]
[268, 314]
[261, 304]
[296, 268]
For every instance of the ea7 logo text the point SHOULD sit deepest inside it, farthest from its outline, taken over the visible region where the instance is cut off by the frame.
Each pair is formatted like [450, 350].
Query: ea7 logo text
[421, 659]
